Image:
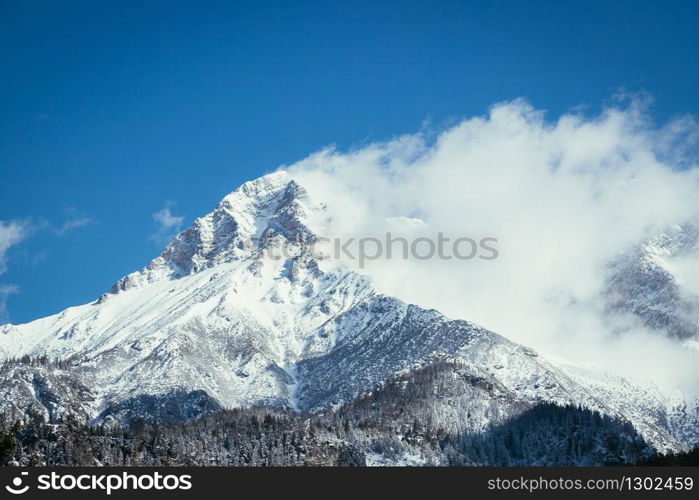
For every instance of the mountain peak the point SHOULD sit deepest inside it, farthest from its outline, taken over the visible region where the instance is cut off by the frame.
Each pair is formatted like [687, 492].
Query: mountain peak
[262, 186]
[267, 209]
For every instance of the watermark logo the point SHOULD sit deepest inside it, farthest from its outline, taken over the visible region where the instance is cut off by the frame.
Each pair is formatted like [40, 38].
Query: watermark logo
[17, 488]
[364, 249]
[105, 483]
[109, 483]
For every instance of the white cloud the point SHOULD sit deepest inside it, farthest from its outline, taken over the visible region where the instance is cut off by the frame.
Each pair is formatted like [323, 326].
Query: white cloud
[5, 292]
[15, 231]
[562, 197]
[168, 224]
[75, 220]
[11, 233]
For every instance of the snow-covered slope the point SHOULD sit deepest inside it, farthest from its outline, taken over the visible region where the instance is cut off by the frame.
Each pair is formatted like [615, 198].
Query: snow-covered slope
[658, 281]
[236, 311]
[43, 389]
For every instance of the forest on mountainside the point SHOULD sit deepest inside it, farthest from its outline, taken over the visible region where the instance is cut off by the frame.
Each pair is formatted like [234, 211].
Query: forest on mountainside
[388, 426]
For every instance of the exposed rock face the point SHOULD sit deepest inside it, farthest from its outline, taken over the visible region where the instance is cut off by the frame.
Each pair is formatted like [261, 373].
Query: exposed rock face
[652, 283]
[45, 391]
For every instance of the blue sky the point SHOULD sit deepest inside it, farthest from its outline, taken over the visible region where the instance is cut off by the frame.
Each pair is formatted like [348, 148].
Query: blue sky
[111, 112]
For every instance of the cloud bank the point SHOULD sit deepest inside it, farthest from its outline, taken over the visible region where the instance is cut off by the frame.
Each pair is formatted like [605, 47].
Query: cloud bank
[562, 198]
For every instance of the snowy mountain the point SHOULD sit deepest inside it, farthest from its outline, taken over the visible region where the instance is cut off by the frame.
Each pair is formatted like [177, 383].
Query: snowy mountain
[237, 312]
[657, 282]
